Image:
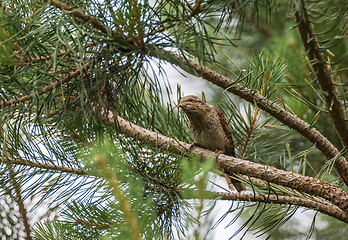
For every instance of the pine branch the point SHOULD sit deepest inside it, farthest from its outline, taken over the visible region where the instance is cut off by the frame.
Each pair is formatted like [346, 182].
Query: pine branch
[323, 207]
[292, 121]
[233, 165]
[52, 167]
[45, 89]
[43, 59]
[80, 15]
[323, 74]
[269, 175]
[137, 40]
[94, 21]
[158, 182]
[18, 198]
[194, 12]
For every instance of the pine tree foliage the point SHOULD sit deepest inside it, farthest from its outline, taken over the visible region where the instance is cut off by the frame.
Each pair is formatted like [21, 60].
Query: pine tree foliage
[86, 132]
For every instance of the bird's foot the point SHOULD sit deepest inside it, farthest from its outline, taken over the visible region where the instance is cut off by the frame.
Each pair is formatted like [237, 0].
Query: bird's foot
[218, 152]
[194, 144]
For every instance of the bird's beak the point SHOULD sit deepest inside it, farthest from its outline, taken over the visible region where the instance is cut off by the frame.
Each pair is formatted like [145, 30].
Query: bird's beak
[180, 105]
[185, 105]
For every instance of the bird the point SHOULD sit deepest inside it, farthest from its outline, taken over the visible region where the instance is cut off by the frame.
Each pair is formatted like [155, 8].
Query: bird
[210, 130]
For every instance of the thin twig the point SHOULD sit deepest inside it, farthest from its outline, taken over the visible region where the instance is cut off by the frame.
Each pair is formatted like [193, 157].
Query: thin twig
[42, 59]
[18, 198]
[45, 89]
[52, 167]
[194, 11]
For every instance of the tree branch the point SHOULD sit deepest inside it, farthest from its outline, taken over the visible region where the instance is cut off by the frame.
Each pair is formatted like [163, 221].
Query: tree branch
[42, 59]
[101, 27]
[250, 95]
[43, 166]
[85, 18]
[318, 188]
[45, 89]
[232, 165]
[81, 15]
[323, 207]
[18, 198]
[323, 74]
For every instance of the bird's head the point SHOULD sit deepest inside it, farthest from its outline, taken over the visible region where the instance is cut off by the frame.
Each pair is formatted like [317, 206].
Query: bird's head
[193, 107]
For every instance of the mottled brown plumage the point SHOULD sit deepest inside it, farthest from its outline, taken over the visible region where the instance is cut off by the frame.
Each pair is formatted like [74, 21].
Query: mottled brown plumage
[209, 129]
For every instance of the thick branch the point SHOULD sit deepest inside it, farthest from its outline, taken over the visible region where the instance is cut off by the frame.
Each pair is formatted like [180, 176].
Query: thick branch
[294, 122]
[323, 74]
[232, 165]
[296, 181]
